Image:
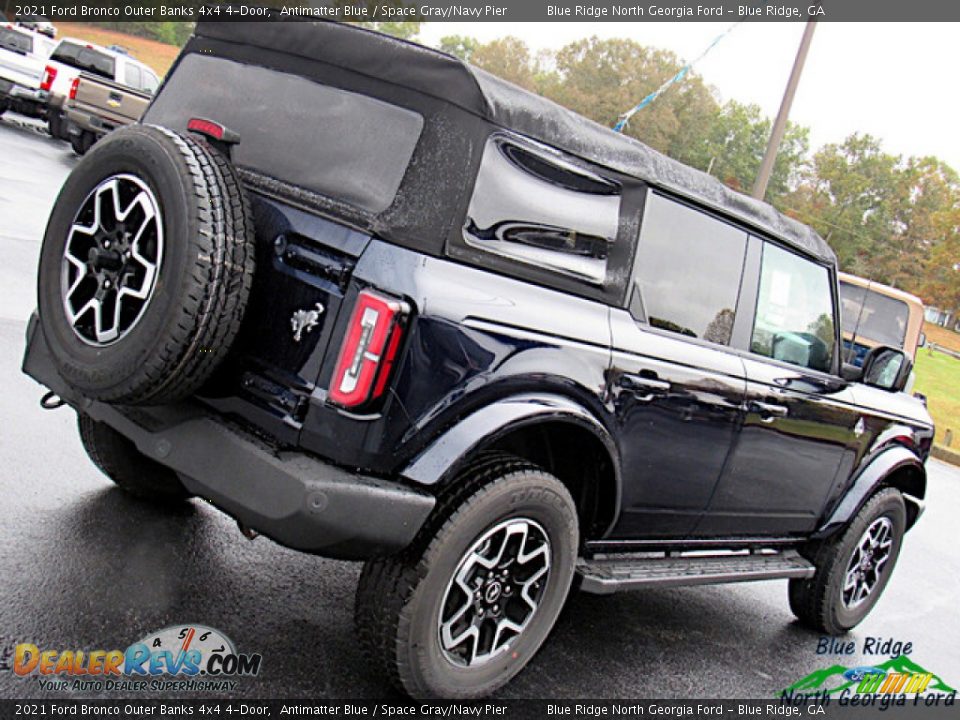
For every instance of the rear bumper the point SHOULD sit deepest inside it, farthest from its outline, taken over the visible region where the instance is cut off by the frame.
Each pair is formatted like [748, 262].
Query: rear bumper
[290, 497]
[24, 99]
[81, 121]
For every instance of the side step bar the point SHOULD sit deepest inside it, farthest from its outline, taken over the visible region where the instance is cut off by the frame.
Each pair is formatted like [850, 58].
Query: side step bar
[603, 576]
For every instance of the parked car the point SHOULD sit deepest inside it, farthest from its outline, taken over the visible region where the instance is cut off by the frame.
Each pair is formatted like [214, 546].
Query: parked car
[23, 55]
[874, 314]
[38, 24]
[379, 305]
[73, 57]
[96, 106]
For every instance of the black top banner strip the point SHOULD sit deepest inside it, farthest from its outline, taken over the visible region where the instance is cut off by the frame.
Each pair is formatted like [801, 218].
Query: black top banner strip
[722, 11]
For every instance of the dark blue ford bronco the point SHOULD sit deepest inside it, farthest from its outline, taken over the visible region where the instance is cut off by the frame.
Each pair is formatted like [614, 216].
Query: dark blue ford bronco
[379, 305]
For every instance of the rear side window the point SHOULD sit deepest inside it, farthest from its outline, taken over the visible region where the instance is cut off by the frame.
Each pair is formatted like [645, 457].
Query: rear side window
[533, 205]
[794, 321]
[85, 58]
[150, 82]
[688, 270]
[14, 41]
[132, 77]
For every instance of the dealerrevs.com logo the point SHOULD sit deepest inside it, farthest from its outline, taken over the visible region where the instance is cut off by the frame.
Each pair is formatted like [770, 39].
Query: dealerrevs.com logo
[177, 658]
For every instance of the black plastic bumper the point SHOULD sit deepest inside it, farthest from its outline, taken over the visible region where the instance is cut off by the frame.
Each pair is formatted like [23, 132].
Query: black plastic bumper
[293, 498]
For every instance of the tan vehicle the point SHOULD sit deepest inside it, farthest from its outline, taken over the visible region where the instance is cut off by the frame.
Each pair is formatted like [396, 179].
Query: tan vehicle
[873, 314]
[95, 106]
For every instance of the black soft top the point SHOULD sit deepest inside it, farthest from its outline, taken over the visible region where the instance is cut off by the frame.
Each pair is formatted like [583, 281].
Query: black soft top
[450, 80]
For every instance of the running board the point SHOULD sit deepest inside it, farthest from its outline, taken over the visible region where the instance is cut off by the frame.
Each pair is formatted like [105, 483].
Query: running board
[603, 576]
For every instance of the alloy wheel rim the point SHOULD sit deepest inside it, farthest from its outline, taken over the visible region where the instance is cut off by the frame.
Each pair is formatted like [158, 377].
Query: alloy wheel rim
[494, 592]
[867, 563]
[111, 260]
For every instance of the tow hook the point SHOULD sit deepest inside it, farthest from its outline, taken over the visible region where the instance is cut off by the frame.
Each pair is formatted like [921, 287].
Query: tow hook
[248, 532]
[52, 401]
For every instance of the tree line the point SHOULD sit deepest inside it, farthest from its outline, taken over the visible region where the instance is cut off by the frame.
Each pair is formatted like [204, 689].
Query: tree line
[889, 218]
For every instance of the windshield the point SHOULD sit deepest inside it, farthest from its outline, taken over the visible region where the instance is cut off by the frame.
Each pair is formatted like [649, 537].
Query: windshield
[18, 42]
[869, 315]
[85, 58]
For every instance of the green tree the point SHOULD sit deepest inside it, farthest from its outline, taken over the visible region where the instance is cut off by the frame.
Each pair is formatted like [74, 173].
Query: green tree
[459, 46]
[734, 144]
[603, 78]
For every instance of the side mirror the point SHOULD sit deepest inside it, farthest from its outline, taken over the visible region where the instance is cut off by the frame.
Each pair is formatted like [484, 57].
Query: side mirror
[850, 372]
[887, 368]
[923, 340]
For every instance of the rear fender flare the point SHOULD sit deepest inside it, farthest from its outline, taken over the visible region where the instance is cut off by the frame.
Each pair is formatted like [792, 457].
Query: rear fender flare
[446, 454]
[891, 460]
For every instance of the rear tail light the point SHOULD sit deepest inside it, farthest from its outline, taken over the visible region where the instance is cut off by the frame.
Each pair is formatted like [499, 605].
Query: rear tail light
[369, 348]
[49, 75]
[213, 130]
[73, 88]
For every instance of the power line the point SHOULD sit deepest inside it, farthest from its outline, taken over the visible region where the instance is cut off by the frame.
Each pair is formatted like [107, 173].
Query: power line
[625, 118]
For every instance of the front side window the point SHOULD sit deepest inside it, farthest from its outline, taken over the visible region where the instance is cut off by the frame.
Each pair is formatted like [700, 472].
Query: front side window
[688, 270]
[794, 321]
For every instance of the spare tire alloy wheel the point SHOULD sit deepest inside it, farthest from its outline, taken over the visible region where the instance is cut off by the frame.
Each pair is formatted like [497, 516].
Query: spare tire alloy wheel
[111, 259]
[494, 592]
[146, 267]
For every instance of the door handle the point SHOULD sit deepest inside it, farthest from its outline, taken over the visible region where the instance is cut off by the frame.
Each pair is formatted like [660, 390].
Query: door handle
[644, 388]
[768, 412]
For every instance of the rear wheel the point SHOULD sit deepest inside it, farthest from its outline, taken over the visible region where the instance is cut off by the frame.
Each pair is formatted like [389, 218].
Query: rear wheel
[118, 459]
[852, 569]
[55, 126]
[469, 603]
[82, 142]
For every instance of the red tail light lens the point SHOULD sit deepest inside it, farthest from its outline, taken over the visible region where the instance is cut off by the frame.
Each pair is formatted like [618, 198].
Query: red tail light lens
[49, 75]
[73, 88]
[368, 351]
[206, 127]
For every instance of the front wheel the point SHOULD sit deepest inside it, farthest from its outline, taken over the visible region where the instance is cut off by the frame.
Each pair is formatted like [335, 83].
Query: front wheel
[852, 569]
[469, 603]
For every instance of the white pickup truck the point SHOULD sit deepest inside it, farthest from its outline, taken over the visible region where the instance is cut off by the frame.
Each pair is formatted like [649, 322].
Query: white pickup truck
[23, 59]
[73, 57]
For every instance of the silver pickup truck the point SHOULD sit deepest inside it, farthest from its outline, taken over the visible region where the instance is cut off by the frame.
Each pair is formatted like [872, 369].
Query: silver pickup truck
[95, 106]
[23, 55]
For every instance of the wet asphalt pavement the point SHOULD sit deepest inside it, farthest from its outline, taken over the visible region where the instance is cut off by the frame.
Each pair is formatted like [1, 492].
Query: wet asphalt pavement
[83, 566]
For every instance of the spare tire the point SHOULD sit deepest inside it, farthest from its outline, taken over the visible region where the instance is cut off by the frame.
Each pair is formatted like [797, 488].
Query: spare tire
[146, 267]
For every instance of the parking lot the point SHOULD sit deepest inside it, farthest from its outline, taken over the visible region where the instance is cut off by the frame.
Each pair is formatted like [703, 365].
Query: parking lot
[85, 567]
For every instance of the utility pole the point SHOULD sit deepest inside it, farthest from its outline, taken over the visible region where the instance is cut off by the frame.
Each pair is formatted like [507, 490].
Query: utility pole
[780, 124]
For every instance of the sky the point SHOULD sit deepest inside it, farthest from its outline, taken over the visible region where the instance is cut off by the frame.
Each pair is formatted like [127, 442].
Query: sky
[895, 81]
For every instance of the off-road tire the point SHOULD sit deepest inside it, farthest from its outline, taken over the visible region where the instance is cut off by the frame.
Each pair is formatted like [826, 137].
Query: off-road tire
[82, 142]
[817, 601]
[55, 126]
[204, 280]
[132, 471]
[398, 598]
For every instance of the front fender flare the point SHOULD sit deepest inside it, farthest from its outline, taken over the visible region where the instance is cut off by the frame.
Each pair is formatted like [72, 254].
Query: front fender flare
[446, 453]
[889, 461]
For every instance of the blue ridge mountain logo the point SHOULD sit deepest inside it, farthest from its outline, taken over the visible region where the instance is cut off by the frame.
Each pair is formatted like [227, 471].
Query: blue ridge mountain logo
[897, 678]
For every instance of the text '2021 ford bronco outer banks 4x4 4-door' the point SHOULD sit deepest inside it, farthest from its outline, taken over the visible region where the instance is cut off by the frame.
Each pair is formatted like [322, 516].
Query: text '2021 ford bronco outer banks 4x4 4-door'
[379, 305]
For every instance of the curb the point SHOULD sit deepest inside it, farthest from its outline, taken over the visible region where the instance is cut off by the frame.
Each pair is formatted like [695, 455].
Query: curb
[941, 452]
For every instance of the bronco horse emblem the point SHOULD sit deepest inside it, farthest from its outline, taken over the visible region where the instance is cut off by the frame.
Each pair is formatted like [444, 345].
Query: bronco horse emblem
[304, 321]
